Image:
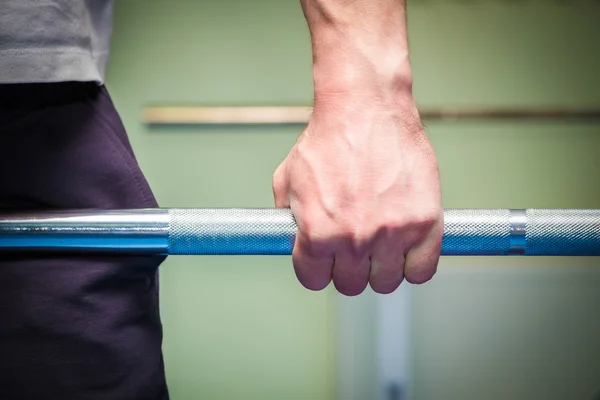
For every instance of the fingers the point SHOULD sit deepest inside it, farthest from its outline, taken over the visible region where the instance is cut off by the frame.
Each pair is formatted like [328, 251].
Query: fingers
[318, 262]
[410, 252]
[422, 259]
[382, 264]
[351, 272]
[387, 262]
[313, 265]
[387, 266]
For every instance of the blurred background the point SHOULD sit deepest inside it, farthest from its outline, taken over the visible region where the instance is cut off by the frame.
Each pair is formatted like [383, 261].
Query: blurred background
[484, 328]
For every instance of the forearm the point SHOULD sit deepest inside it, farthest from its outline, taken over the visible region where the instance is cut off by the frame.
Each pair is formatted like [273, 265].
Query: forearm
[360, 48]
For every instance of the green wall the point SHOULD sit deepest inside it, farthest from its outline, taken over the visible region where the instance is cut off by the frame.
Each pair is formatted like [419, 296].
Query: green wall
[242, 327]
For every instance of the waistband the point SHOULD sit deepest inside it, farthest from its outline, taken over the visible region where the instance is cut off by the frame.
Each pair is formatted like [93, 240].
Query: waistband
[39, 95]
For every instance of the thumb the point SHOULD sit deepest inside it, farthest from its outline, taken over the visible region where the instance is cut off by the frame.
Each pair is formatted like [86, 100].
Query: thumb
[281, 186]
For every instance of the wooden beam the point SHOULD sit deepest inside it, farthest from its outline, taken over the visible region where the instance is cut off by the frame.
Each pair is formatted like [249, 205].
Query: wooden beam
[300, 115]
[226, 115]
[449, 114]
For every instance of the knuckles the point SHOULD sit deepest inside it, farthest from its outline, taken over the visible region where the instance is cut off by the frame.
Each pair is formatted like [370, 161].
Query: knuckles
[422, 221]
[358, 236]
[354, 238]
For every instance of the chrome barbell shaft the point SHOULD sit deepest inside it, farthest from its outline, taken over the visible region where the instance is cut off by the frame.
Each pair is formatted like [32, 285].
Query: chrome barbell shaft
[549, 232]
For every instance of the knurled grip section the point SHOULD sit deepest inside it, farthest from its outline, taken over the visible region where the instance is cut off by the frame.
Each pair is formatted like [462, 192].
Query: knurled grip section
[476, 232]
[563, 232]
[466, 232]
[231, 231]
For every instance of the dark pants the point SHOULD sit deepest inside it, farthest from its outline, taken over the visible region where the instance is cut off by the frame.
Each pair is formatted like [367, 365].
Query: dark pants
[74, 327]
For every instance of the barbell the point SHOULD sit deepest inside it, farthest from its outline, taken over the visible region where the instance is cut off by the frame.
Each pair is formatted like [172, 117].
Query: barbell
[177, 231]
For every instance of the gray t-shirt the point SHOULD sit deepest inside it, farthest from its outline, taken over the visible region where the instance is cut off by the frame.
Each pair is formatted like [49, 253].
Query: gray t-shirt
[54, 40]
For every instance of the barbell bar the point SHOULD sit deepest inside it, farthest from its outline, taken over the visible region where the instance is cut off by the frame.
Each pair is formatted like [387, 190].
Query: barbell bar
[177, 231]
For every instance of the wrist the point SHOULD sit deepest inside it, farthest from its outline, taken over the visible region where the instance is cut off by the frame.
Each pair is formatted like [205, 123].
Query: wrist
[385, 86]
[360, 49]
[382, 74]
[351, 89]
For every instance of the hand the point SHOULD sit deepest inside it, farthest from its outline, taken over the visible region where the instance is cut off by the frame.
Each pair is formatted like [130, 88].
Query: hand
[362, 182]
